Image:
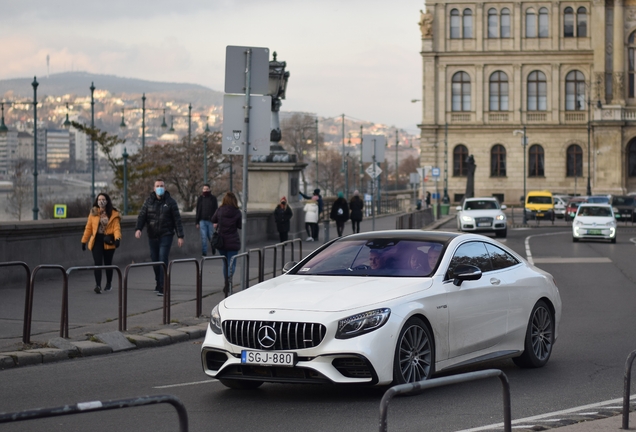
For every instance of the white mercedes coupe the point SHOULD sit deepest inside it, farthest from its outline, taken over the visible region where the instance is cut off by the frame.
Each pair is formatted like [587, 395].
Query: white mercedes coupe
[385, 307]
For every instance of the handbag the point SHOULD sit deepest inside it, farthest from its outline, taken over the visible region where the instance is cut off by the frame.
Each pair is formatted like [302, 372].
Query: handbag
[217, 240]
[109, 239]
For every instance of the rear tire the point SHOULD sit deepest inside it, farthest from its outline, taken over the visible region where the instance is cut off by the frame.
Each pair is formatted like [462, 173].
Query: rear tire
[539, 338]
[241, 384]
[414, 358]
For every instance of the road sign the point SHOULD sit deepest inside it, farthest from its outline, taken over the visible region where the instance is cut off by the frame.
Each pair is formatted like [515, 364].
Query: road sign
[234, 125]
[435, 172]
[371, 144]
[373, 173]
[414, 178]
[235, 66]
[59, 211]
[421, 172]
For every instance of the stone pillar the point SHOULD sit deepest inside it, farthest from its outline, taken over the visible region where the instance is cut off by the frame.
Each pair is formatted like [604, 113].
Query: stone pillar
[619, 53]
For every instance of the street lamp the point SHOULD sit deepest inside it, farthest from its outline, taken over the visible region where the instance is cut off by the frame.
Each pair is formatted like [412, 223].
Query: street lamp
[123, 125]
[188, 115]
[67, 122]
[36, 210]
[205, 151]
[396, 159]
[3, 127]
[92, 89]
[125, 156]
[524, 143]
[446, 199]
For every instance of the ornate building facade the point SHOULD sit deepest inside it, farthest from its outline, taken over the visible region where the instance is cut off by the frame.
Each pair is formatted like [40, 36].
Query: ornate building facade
[562, 71]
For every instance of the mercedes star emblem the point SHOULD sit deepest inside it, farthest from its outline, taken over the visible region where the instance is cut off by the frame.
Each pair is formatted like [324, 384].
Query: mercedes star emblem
[267, 336]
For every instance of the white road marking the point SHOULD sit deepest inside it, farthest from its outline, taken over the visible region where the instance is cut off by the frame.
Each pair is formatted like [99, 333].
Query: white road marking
[633, 240]
[573, 260]
[525, 421]
[527, 243]
[186, 384]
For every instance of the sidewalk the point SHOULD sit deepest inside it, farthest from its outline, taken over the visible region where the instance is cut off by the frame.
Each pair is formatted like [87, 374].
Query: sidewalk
[93, 323]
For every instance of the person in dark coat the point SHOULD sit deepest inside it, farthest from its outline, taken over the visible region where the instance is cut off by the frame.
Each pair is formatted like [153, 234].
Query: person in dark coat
[160, 213]
[282, 216]
[228, 218]
[206, 207]
[428, 199]
[355, 206]
[340, 213]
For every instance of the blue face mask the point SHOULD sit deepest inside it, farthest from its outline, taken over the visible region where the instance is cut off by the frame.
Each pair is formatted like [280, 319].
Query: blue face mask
[159, 191]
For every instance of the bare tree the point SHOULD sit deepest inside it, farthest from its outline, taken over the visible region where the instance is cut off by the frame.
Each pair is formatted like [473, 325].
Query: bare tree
[299, 137]
[22, 188]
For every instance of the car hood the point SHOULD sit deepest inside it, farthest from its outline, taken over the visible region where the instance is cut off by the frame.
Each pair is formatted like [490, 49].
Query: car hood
[481, 213]
[324, 293]
[590, 220]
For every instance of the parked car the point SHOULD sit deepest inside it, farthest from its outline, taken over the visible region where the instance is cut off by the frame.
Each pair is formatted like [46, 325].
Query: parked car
[385, 307]
[623, 206]
[560, 202]
[572, 206]
[598, 199]
[539, 205]
[594, 221]
[482, 215]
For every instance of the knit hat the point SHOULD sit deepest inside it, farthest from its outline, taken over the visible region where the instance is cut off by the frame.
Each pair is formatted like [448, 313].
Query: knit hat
[317, 191]
[314, 198]
[356, 192]
[283, 199]
[340, 195]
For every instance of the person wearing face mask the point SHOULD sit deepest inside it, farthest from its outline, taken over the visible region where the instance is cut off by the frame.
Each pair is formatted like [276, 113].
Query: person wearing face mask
[102, 235]
[206, 207]
[282, 216]
[160, 213]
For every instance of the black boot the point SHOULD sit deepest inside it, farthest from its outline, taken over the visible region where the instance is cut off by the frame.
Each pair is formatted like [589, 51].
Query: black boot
[226, 287]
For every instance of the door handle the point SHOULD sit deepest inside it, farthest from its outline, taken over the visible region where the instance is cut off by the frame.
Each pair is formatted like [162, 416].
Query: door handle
[495, 281]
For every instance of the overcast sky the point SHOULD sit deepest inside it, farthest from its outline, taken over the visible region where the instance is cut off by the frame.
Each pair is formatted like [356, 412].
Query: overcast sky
[357, 57]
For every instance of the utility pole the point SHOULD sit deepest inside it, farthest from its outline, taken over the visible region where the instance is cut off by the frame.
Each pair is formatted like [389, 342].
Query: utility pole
[396, 160]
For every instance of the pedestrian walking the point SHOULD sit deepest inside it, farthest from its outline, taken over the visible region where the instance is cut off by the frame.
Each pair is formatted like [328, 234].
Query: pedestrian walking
[160, 213]
[228, 220]
[282, 216]
[340, 213]
[428, 199]
[355, 206]
[311, 218]
[102, 235]
[207, 205]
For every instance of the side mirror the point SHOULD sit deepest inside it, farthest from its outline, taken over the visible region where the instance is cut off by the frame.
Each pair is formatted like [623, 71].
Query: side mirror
[466, 272]
[288, 266]
[503, 207]
[458, 208]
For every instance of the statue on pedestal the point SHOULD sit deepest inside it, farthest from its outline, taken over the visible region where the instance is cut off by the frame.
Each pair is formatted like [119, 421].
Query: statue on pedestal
[470, 178]
[426, 24]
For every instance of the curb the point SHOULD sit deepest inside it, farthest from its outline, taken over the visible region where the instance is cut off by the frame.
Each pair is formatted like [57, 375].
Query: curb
[59, 349]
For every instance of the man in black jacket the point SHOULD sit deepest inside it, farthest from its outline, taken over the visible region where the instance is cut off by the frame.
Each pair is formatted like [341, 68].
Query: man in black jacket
[206, 207]
[161, 214]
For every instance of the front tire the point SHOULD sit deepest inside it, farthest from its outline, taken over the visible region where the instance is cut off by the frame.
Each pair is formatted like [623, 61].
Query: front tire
[574, 239]
[240, 384]
[613, 240]
[539, 338]
[414, 358]
[502, 233]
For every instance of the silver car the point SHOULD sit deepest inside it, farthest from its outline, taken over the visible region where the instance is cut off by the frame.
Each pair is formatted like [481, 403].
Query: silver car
[480, 215]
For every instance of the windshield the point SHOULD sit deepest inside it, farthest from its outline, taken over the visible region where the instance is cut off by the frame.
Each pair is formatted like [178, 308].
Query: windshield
[539, 200]
[481, 205]
[594, 211]
[623, 201]
[377, 257]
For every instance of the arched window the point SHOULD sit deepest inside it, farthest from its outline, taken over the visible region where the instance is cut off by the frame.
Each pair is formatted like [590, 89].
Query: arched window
[535, 161]
[461, 92]
[631, 67]
[537, 92]
[568, 22]
[454, 24]
[581, 22]
[468, 24]
[460, 154]
[498, 161]
[574, 164]
[505, 23]
[499, 91]
[631, 159]
[543, 23]
[531, 24]
[575, 91]
[493, 23]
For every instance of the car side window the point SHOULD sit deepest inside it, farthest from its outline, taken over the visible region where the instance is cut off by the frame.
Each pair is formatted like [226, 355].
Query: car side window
[499, 258]
[472, 253]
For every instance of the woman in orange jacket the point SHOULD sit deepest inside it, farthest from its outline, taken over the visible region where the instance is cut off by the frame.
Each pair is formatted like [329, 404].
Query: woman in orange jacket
[103, 236]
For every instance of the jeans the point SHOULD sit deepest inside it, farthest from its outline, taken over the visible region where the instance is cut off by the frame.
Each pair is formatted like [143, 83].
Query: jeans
[159, 251]
[102, 256]
[228, 256]
[206, 228]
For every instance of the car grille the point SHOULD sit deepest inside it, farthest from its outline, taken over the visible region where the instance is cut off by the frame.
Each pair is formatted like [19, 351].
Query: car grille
[483, 220]
[286, 335]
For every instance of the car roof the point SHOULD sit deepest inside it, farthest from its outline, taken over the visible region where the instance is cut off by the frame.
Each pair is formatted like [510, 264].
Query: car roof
[412, 234]
[595, 205]
[482, 199]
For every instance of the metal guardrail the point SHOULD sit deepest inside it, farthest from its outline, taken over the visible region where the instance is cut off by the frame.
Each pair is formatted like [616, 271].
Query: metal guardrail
[626, 384]
[65, 293]
[26, 293]
[168, 286]
[261, 272]
[200, 291]
[94, 406]
[439, 382]
[124, 318]
[245, 281]
[265, 249]
[28, 316]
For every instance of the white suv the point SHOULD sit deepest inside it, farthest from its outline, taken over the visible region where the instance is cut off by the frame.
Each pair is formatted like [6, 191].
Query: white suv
[482, 215]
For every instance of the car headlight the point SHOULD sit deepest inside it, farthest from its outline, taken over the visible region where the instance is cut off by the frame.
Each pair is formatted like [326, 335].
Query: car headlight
[614, 209]
[215, 320]
[610, 224]
[501, 217]
[362, 323]
[467, 219]
[578, 223]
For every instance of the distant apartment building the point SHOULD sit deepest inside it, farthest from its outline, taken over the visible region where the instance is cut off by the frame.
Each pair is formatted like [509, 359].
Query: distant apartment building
[8, 148]
[58, 149]
[82, 150]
